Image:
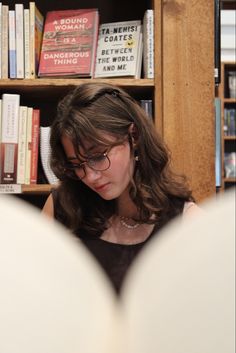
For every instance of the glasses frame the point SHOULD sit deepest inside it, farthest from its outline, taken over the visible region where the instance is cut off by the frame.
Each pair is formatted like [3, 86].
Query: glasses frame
[71, 167]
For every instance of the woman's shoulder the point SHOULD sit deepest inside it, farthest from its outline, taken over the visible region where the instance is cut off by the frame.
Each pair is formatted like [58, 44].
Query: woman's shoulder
[48, 208]
[191, 209]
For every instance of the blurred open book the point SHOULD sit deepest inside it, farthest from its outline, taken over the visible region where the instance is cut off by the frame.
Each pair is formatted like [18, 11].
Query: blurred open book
[178, 296]
[45, 153]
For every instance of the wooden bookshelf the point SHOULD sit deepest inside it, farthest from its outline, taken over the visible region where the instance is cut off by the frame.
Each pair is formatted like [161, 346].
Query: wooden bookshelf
[182, 90]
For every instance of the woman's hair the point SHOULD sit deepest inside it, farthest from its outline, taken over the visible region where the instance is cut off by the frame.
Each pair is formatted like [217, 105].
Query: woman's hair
[85, 114]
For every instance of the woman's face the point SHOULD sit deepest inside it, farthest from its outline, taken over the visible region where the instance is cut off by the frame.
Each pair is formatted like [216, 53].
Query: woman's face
[112, 182]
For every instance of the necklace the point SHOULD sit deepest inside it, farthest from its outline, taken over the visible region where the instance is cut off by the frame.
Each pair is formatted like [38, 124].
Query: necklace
[126, 225]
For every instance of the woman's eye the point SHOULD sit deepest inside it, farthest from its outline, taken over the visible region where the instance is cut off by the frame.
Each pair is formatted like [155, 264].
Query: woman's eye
[98, 158]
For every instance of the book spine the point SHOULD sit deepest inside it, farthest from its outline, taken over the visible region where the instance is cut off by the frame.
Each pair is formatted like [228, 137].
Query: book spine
[19, 11]
[39, 20]
[9, 137]
[28, 145]
[146, 104]
[148, 39]
[32, 38]
[218, 152]
[5, 10]
[35, 146]
[12, 44]
[21, 145]
[26, 43]
[139, 56]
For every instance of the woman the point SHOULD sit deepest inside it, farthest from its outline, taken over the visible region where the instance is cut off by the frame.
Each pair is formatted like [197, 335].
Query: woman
[116, 187]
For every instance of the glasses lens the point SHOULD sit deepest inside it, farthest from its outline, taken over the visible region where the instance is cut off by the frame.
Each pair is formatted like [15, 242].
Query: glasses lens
[74, 171]
[99, 163]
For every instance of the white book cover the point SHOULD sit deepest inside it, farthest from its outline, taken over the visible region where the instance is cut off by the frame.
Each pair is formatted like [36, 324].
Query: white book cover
[28, 146]
[19, 10]
[118, 49]
[4, 42]
[9, 137]
[22, 145]
[27, 43]
[12, 43]
[148, 44]
[45, 154]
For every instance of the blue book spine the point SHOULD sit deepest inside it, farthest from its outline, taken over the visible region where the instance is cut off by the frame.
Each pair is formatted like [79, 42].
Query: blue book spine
[12, 63]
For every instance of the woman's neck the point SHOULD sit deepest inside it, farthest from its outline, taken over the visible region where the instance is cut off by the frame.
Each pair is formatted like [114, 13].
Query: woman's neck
[126, 207]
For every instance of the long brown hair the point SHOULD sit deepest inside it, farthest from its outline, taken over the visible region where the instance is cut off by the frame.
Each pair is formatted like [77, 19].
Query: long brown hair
[84, 114]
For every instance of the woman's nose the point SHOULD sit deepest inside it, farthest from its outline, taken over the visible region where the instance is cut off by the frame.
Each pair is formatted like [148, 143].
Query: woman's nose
[91, 175]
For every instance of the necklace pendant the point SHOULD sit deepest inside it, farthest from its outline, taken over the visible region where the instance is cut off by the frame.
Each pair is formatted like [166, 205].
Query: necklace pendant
[127, 225]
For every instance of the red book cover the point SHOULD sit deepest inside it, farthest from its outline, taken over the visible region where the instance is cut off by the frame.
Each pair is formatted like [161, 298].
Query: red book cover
[34, 146]
[69, 43]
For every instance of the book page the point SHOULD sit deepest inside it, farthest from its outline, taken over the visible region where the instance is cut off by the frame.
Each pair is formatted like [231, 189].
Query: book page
[179, 295]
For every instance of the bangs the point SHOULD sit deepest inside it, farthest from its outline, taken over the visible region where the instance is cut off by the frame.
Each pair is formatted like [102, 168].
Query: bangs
[82, 132]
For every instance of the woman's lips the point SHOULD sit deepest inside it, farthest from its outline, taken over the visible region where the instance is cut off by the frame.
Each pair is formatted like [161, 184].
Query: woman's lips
[101, 187]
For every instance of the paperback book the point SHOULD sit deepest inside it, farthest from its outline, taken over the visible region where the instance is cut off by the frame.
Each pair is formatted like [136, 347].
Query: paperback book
[119, 51]
[9, 138]
[148, 44]
[69, 43]
[36, 22]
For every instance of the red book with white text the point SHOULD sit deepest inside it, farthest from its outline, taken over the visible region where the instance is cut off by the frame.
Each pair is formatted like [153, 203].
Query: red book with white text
[34, 146]
[69, 43]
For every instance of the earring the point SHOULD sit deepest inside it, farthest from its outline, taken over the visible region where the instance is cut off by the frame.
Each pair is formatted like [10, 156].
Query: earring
[136, 157]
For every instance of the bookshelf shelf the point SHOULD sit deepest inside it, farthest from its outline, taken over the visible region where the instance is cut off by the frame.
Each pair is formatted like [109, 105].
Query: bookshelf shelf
[62, 82]
[229, 138]
[36, 189]
[230, 180]
[182, 90]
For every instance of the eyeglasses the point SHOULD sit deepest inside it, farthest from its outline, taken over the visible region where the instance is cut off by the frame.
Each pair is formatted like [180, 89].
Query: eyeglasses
[98, 162]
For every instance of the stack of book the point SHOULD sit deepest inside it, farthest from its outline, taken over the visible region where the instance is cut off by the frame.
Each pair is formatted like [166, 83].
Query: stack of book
[19, 141]
[20, 41]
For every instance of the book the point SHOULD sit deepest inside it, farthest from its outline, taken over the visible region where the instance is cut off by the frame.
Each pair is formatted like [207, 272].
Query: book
[35, 146]
[148, 44]
[4, 42]
[119, 50]
[179, 295]
[27, 43]
[45, 154]
[12, 44]
[19, 13]
[9, 137]
[28, 145]
[36, 22]
[69, 43]
[21, 158]
[146, 104]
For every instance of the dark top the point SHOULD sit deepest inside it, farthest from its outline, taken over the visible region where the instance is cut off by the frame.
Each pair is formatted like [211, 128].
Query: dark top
[114, 258]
